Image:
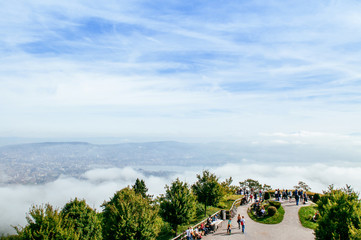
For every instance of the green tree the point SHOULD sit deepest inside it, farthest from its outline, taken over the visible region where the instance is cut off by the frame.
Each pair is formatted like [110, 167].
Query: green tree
[45, 222]
[83, 218]
[140, 188]
[178, 205]
[303, 186]
[355, 233]
[130, 216]
[339, 214]
[266, 187]
[9, 237]
[251, 184]
[207, 189]
[227, 187]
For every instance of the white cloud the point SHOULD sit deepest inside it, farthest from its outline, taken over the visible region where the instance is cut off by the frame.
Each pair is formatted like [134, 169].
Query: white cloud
[268, 72]
[99, 185]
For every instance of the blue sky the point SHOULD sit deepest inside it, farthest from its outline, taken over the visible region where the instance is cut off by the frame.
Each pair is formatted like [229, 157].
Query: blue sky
[219, 70]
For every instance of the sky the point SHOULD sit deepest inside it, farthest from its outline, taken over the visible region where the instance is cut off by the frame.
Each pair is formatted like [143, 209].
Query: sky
[218, 70]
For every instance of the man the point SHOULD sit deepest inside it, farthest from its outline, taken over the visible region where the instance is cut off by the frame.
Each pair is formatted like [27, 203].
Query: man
[189, 234]
[297, 197]
[243, 223]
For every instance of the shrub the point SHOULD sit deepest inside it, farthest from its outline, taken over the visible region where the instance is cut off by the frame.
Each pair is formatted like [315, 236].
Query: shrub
[275, 204]
[316, 197]
[272, 210]
[222, 205]
[271, 192]
[340, 211]
[267, 196]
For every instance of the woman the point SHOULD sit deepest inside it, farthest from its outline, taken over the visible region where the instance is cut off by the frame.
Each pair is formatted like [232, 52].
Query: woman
[243, 223]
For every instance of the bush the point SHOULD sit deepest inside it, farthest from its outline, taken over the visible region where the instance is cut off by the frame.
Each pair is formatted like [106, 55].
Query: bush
[275, 204]
[340, 211]
[267, 196]
[221, 205]
[272, 211]
[271, 192]
[316, 197]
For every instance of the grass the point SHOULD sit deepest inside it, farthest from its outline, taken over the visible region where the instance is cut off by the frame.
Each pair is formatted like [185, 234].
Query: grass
[305, 214]
[275, 219]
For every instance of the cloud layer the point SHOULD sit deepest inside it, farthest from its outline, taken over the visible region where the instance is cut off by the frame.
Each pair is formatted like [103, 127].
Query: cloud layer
[99, 185]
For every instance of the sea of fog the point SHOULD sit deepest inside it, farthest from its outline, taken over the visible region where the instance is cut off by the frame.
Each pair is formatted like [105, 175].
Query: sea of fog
[98, 185]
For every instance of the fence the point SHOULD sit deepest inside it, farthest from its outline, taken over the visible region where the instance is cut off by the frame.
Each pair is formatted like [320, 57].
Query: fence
[232, 210]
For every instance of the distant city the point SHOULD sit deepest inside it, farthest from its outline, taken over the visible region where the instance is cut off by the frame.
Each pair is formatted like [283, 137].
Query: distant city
[39, 163]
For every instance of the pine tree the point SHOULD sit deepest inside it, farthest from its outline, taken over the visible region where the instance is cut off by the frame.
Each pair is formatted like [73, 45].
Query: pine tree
[129, 216]
[178, 205]
[140, 188]
[207, 189]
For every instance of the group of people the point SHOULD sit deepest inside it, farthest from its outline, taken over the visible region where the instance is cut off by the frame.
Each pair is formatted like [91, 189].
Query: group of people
[202, 230]
[259, 209]
[197, 233]
[241, 223]
[287, 195]
[250, 195]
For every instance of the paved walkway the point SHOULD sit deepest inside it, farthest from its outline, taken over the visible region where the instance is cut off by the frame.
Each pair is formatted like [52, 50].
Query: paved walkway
[289, 229]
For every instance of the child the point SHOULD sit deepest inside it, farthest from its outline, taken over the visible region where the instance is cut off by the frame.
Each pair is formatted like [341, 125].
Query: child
[229, 226]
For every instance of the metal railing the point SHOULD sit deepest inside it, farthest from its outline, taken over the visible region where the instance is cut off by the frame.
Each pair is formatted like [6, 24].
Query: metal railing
[232, 210]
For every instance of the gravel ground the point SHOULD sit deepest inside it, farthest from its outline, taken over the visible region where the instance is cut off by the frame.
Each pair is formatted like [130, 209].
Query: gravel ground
[289, 229]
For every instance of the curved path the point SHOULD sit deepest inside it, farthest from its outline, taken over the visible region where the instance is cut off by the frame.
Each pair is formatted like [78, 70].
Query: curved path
[289, 228]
